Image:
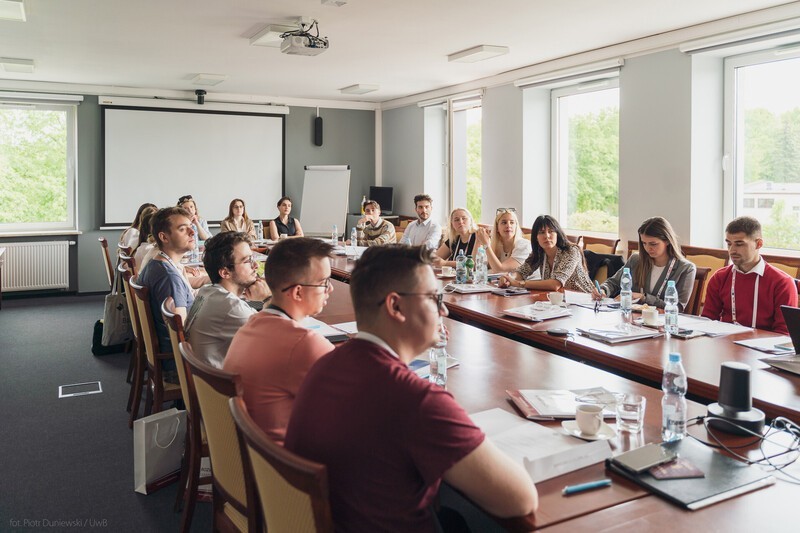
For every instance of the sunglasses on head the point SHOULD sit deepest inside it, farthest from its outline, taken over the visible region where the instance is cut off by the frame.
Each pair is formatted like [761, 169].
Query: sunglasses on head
[505, 210]
[185, 198]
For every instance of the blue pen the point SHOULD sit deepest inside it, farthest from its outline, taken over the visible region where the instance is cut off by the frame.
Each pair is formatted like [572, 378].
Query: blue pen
[574, 489]
[597, 286]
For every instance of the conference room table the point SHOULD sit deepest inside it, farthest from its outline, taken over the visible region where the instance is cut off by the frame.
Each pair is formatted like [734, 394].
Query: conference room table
[490, 364]
[775, 392]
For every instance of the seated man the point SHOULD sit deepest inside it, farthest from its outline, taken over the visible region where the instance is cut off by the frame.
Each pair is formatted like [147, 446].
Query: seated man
[272, 352]
[423, 230]
[372, 229]
[749, 291]
[164, 275]
[387, 437]
[218, 310]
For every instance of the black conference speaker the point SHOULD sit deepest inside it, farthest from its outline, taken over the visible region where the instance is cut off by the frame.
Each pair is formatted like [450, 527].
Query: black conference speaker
[318, 131]
[735, 410]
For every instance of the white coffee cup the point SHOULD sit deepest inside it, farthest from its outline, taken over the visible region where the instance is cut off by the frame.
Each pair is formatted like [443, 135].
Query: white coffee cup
[650, 316]
[589, 418]
[448, 271]
[284, 236]
[555, 297]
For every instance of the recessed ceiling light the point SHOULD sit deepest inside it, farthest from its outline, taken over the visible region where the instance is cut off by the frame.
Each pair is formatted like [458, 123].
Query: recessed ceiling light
[334, 3]
[478, 53]
[209, 79]
[359, 88]
[19, 66]
[270, 35]
[12, 10]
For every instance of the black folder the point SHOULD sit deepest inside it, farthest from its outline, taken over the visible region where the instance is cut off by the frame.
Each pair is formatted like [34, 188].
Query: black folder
[724, 477]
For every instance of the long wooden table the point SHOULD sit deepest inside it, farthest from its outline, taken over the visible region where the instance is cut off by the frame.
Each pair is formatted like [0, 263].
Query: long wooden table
[490, 364]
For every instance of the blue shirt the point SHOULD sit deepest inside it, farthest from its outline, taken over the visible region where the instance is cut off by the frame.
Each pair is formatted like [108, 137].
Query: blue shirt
[162, 280]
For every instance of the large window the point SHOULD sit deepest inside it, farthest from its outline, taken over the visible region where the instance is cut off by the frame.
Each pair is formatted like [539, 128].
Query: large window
[37, 167]
[585, 157]
[466, 176]
[763, 140]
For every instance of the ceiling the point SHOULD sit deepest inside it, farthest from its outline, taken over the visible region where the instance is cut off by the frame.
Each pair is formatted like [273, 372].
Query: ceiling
[400, 45]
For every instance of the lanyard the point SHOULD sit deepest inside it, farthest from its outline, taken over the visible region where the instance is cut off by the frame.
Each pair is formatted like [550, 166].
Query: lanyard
[733, 299]
[180, 270]
[664, 283]
[277, 311]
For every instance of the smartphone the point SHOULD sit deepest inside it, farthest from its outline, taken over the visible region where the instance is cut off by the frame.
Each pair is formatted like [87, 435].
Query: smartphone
[644, 458]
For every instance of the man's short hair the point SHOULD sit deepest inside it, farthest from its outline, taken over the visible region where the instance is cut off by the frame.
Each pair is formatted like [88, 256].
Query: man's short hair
[219, 252]
[289, 260]
[373, 203]
[160, 222]
[422, 198]
[385, 269]
[747, 225]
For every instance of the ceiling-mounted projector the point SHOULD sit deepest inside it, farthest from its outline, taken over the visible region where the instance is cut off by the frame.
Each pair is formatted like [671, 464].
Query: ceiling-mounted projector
[303, 46]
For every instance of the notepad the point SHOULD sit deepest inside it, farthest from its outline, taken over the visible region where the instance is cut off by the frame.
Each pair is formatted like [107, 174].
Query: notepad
[329, 332]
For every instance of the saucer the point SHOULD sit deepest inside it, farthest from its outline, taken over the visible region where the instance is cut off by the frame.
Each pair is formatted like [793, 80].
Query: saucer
[571, 427]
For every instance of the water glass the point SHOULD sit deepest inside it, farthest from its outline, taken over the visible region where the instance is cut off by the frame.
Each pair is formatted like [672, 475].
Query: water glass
[630, 413]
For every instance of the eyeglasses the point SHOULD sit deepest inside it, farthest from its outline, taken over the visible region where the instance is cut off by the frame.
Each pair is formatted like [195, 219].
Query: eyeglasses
[326, 284]
[186, 198]
[252, 260]
[505, 210]
[437, 297]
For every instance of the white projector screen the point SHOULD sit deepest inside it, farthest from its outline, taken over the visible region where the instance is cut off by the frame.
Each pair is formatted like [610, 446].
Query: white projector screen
[158, 156]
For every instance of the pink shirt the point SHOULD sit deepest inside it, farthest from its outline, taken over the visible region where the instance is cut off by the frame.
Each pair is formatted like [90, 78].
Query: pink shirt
[272, 353]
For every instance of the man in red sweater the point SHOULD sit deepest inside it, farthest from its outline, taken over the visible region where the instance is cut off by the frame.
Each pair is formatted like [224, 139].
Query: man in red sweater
[749, 291]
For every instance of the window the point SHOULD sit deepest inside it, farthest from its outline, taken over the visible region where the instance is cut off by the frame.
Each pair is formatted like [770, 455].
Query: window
[585, 157]
[37, 166]
[762, 138]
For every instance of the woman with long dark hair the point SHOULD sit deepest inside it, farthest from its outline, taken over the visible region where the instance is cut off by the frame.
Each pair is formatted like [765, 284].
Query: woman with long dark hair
[237, 220]
[560, 263]
[130, 237]
[659, 260]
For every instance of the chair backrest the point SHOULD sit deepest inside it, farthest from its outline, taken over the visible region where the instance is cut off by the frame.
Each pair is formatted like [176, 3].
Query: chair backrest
[174, 324]
[694, 307]
[146, 323]
[633, 246]
[711, 258]
[107, 260]
[125, 272]
[292, 491]
[130, 261]
[790, 265]
[600, 245]
[398, 235]
[576, 239]
[213, 388]
[122, 249]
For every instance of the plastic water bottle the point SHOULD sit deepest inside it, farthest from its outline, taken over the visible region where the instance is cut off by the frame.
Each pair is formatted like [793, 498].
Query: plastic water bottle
[673, 405]
[334, 236]
[671, 309]
[625, 294]
[461, 267]
[481, 266]
[438, 358]
[354, 239]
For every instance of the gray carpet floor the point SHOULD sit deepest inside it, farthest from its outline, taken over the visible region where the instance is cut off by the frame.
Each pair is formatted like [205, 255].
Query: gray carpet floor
[67, 464]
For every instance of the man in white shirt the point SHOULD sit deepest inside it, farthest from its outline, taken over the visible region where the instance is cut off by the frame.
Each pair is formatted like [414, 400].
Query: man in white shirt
[423, 231]
[218, 310]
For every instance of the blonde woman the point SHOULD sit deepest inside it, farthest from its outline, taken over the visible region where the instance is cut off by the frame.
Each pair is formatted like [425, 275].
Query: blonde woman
[506, 248]
[199, 225]
[237, 219]
[460, 236]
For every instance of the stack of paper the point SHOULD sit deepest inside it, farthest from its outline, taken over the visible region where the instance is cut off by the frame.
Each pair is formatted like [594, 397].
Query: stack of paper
[469, 288]
[775, 345]
[555, 404]
[712, 328]
[538, 311]
[619, 333]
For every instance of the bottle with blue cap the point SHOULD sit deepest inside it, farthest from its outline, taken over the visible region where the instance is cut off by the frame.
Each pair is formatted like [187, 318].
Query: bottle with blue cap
[673, 404]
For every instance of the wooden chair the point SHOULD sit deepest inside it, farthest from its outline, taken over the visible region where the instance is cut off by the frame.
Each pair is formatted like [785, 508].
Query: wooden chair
[600, 245]
[694, 306]
[576, 239]
[292, 492]
[138, 363]
[158, 390]
[790, 265]
[130, 261]
[633, 246]
[107, 261]
[196, 447]
[213, 388]
[712, 258]
[398, 235]
[122, 249]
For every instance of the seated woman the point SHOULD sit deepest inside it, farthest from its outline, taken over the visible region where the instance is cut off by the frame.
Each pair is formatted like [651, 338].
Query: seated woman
[237, 220]
[372, 229]
[283, 224]
[130, 237]
[199, 224]
[506, 248]
[145, 248]
[661, 261]
[560, 263]
[460, 236]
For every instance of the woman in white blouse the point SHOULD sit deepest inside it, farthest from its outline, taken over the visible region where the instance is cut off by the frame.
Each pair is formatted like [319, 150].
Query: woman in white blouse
[506, 248]
[130, 237]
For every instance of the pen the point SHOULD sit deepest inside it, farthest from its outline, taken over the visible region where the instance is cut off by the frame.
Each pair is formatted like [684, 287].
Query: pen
[597, 302]
[597, 286]
[574, 489]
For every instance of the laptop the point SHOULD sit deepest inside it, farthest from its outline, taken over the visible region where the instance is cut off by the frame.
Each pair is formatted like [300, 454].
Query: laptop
[789, 363]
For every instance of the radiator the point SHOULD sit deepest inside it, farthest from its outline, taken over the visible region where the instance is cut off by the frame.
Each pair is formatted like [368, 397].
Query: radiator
[31, 266]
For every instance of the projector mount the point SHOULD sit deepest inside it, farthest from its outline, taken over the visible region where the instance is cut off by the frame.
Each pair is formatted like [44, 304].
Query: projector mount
[312, 41]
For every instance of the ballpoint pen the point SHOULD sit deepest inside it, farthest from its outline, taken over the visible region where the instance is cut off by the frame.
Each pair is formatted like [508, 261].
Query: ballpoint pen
[574, 489]
[597, 302]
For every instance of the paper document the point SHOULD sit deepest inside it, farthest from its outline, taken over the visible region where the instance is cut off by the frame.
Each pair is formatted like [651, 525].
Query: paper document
[329, 332]
[538, 311]
[769, 344]
[584, 298]
[348, 327]
[469, 288]
[544, 452]
[712, 328]
[619, 333]
[552, 404]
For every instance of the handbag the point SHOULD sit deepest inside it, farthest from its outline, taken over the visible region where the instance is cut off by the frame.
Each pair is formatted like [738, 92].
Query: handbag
[116, 316]
[97, 342]
[158, 442]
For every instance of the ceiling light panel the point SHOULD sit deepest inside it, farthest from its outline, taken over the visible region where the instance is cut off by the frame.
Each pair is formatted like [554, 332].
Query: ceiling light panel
[209, 79]
[478, 53]
[334, 3]
[12, 10]
[359, 88]
[17, 66]
[270, 35]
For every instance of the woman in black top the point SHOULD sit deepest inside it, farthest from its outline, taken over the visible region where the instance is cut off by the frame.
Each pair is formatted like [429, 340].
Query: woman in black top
[460, 236]
[283, 223]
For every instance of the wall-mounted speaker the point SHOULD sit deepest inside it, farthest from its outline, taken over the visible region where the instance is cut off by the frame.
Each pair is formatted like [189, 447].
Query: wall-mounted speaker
[734, 413]
[318, 131]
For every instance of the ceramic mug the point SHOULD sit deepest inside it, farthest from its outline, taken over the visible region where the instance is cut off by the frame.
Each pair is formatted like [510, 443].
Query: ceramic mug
[589, 418]
[555, 297]
[448, 271]
[650, 316]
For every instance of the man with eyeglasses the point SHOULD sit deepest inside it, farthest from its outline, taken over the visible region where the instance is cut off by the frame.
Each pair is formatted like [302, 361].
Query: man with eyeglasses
[386, 436]
[219, 309]
[272, 352]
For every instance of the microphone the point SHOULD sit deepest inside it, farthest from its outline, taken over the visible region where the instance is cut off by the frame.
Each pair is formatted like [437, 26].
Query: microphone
[734, 412]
